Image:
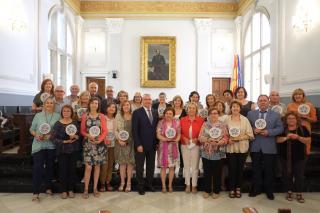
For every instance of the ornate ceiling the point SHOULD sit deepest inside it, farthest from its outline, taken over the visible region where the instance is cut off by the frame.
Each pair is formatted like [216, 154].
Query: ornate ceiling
[159, 9]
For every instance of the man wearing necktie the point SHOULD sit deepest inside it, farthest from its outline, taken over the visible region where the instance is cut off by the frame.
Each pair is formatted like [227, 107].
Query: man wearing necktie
[263, 148]
[144, 124]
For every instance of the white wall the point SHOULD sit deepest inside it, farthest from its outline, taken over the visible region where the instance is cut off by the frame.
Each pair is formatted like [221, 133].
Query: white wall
[24, 54]
[294, 55]
[19, 49]
[183, 30]
[196, 52]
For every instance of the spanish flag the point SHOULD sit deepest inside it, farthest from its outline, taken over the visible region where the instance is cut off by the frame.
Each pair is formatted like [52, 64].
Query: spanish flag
[236, 80]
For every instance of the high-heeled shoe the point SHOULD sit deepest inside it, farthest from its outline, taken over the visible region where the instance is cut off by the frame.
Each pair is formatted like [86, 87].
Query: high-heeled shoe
[164, 189]
[96, 193]
[121, 187]
[128, 187]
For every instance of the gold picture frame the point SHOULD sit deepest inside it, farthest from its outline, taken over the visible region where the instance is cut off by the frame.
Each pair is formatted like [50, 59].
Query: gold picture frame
[158, 61]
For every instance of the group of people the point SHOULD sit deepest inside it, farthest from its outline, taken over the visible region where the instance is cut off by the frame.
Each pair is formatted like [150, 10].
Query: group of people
[134, 133]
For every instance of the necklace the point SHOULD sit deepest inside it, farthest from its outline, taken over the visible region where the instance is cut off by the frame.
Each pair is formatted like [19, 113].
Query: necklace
[47, 117]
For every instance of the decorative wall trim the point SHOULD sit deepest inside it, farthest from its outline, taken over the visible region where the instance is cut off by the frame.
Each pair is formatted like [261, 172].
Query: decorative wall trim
[143, 7]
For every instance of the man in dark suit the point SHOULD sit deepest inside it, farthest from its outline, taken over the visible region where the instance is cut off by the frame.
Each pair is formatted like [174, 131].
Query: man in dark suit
[144, 124]
[263, 148]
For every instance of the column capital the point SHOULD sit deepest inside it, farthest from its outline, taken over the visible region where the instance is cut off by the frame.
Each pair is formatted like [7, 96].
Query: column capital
[114, 25]
[203, 24]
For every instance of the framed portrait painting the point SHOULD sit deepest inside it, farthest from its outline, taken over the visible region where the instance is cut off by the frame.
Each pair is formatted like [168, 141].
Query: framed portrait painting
[158, 61]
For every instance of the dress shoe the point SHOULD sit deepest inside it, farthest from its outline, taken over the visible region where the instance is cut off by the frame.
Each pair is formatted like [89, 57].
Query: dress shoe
[254, 193]
[270, 196]
[141, 191]
[151, 188]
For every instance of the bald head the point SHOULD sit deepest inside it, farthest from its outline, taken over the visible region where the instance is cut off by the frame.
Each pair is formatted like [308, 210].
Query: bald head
[93, 88]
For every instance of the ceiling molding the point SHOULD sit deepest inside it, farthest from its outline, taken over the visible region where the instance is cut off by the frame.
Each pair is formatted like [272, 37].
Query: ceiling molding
[75, 5]
[158, 9]
[244, 6]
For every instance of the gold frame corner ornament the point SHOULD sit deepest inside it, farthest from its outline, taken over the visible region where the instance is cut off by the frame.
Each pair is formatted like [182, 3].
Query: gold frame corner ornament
[145, 41]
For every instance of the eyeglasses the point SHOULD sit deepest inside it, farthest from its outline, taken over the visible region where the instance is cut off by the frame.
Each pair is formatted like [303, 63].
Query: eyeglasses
[59, 91]
[214, 113]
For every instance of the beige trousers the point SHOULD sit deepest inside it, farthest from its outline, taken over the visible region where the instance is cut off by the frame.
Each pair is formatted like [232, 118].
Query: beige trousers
[191, 161]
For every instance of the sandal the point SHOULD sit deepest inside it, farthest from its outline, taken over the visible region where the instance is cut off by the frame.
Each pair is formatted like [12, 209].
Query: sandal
[109, 187]
[289, 196]
[85, 194]
[96, 193]
[128, 187]
[170, 189]
[231, 194]
[71, 194]
[102, 188]
[64, 195]
[35, 198]
[238, 193]
[164, 189]
[49, 192]
[300, 199]
[121, 187]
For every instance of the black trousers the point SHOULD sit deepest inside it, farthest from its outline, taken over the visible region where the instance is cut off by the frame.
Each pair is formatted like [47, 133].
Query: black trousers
[293, 181]
[181, 158]
[212, 172]
[263, 171]
[235, 164]
[43, 161]
[141, 157]
[67, 171]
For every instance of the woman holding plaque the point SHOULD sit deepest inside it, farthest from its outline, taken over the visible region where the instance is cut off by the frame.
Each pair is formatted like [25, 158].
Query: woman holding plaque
[124, 147]
[46, 91]
[161, 105]
[168, 133]
[81, 106]
[213, 137]
[221, 107]
[93, 129]
[241, 95]
[190, 129]
[65, 136]
[305, 110]
[240, 132]
[106, 169]
[292, 154]
[43, 150]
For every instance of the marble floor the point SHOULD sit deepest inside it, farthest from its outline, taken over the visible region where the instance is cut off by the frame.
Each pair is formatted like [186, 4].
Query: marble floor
[118, 202]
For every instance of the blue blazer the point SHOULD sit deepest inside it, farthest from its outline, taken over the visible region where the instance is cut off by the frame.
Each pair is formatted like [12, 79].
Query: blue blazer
[274, 126]
[144, 133]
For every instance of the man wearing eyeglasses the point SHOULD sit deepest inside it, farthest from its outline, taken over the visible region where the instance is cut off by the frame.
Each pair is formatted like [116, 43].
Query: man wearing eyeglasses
[109, 98]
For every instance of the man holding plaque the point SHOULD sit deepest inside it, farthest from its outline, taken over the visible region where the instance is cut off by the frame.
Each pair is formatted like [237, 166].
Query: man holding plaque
[266, 125]
[144, 124]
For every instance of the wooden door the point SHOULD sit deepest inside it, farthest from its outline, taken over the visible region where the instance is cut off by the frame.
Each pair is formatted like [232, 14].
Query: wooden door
[219, 85]
[101, 81]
